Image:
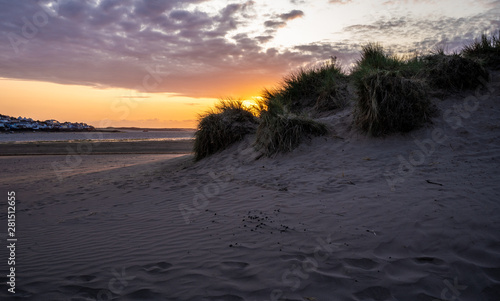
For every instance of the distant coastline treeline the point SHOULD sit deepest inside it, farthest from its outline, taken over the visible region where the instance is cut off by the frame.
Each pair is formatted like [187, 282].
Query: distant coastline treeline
[11, 124]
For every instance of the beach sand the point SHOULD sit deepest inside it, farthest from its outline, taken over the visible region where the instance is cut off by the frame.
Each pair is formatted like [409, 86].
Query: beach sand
[344, 217]
[94, 147]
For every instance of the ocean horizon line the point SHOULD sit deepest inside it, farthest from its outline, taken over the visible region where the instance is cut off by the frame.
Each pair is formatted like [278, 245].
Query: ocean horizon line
[145, 128]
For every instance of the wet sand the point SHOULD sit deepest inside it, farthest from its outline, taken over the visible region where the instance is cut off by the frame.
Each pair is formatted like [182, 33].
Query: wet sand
[87, 147]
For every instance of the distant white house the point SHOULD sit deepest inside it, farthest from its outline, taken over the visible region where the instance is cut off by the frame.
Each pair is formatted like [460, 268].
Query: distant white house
[24, 124]
[14, 125]
[65, 126]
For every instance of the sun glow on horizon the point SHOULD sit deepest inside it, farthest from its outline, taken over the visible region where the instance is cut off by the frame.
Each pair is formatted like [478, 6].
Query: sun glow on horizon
[97, 106]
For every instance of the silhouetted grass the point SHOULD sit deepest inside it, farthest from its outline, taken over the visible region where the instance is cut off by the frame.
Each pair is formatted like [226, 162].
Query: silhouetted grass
[228, 122]
[453, 72]
[280, 130]
[390, 96]
[486, 49]
[320, 88]
[374, 58]
[283, 132]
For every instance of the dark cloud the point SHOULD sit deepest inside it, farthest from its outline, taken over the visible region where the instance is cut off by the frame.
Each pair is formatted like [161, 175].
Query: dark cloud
[169, 46]
[281, 20]
[294, 14]
[274, 24]
[264, 39]
[153, 8]
[154, 46]
[75, 10]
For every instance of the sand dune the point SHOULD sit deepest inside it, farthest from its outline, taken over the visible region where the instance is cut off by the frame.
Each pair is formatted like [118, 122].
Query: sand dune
[346, 217]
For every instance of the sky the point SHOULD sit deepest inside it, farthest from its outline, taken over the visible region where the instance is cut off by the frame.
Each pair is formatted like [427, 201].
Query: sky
[159, 63]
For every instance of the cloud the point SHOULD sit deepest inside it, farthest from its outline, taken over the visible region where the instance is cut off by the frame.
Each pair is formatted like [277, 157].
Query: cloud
[281, 20]
[151, 46]
[339, 1]
[177, 47]
[424, 34]
[134, 96]
[275, 24]
[345, 51]
[294, 14]
[264, 39]
[77, 46]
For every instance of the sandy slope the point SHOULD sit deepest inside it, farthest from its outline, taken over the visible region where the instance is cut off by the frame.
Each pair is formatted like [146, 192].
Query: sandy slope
[347, 217]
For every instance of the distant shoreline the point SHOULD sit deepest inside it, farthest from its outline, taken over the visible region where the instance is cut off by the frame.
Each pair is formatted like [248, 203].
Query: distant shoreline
[10, 131]
[118, 129]
[104, 130]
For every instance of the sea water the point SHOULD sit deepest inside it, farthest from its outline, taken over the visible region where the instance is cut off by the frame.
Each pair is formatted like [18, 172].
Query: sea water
[122, 135]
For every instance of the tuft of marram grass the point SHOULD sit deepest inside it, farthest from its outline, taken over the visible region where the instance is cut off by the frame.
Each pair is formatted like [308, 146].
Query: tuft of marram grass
[281, 131]
[374, 58]
[388, 103]
[228, 122]
[486, 49]
[321, 88]
[453, 72]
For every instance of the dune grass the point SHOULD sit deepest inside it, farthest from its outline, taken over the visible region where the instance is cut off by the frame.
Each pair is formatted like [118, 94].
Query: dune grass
[283, 126]
[486, 49]
[374, 58]
[321, 88]
[281, 131]
[228, 122]
[453, 72]
[390, 95]
[388, 103]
